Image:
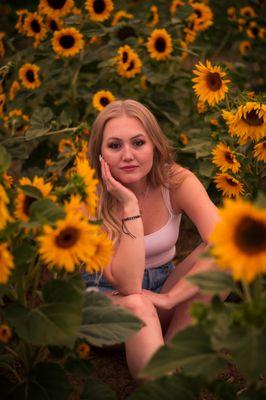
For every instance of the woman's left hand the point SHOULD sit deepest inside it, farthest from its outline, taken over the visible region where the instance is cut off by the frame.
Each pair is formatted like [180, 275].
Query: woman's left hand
[160, 300]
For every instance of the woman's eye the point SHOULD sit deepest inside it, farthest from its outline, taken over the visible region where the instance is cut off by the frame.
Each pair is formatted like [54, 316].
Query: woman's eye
[138, 143]
[114, 145]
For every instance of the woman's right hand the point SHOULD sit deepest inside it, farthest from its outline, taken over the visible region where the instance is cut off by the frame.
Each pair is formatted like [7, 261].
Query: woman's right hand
[124, 195]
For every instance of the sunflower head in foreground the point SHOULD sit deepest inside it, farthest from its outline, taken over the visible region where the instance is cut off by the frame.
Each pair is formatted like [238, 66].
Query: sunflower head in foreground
[24, 201]
[67, 42]
[225, 159]
[6, 263]
[248, 122]
[4, 213]
[229, 185]
[101, 99]
[29, 76]
[159, 44]
[239, 240]
[72, 242]
[259, 151]
[102, 254]
[99, 10]
[210, 85]
[128, 62]
[56, 8]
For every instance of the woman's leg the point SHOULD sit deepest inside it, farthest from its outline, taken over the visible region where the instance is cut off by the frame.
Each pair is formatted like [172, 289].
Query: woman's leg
[142, 345]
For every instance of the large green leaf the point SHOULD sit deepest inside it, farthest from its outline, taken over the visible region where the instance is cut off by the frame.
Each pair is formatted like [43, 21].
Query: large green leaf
[104, 323]
[191, 350]
[97, 390]
[56, 321]
[46, 211]
[5, 159]
[31, 191]
[168, 388]
[40, 123]
[213, 281]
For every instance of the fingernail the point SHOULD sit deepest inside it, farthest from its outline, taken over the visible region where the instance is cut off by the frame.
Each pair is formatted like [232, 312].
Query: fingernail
[100, 157]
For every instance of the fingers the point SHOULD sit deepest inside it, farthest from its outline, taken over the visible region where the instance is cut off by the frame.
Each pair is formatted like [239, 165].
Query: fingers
[106, 174]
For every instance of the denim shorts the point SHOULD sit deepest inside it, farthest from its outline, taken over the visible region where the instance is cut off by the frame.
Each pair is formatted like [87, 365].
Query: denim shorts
[153, 279]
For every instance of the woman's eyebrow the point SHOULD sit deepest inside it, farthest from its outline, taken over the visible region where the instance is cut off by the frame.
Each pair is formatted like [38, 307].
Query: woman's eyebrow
[134, 137]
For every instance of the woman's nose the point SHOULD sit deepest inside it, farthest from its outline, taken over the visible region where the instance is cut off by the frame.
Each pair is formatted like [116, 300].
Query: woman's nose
[127, 154]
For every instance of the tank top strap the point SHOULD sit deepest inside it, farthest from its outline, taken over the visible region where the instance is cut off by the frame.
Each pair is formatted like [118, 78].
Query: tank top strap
[167, 200]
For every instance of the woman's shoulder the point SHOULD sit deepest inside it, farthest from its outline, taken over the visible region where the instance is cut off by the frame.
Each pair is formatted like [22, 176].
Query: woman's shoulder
[177, 175]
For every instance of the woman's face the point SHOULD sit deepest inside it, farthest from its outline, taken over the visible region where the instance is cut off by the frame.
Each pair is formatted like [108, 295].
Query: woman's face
[127, 149]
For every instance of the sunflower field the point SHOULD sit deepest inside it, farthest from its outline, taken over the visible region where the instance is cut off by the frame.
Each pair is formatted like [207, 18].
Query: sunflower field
[200, 68]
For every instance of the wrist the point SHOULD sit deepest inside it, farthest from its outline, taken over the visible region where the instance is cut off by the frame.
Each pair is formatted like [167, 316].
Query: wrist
[131, 208]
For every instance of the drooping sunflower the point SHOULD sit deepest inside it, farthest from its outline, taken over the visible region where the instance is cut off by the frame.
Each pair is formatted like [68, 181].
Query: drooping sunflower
[128, 63]
[101, 99]
[5, 332]
[119, 15]
[202, 16]
[210, 85]
[175, 4]
[229, 185]
[6, 263]
[239, 240]
[71, 242]
[159, 44]
[84, 170]
[4, 213]
[99, 10]
[29, 76]
[24, 201]
[56, 8]
[249, 121]
[67, 42]
[35, 27]
[13, 90]
[102, 254]
[244, 47]
[154, 16]
[259, 151]
[225, 159]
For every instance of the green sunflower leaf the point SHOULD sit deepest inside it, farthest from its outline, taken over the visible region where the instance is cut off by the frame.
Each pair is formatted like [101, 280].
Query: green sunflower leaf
[213, 281]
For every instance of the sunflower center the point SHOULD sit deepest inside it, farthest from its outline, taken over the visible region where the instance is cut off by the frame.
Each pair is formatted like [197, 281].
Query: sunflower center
[53, 25]
[67, 41]
[131, 66]
[56, 4]
[99, 6]
[27, 203]
[104, 101]
[252, 118]
[231, 182]
[214, 81]
[229, 157]
[255, 31]
[67, 237]
[30, 76]
[35, 26]
[250, 235]
[160, 45]
[124, 57]
[198, 13]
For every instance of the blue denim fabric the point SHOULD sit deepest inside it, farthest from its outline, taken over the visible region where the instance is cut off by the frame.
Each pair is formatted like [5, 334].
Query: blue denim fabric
[153, 279]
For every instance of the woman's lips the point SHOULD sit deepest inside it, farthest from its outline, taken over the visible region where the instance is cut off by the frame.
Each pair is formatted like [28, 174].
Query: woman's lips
[129, 168]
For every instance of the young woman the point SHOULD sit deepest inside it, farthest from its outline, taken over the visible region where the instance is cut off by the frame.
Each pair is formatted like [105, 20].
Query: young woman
[143, 194]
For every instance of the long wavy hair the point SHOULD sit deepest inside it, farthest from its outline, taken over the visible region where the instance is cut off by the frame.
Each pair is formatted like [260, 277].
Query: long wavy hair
[163, 156]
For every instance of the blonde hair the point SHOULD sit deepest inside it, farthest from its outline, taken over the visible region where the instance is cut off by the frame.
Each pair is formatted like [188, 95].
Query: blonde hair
[163, 158]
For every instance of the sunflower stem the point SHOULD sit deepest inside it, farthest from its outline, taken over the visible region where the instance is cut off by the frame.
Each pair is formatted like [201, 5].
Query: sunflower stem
[247, 293]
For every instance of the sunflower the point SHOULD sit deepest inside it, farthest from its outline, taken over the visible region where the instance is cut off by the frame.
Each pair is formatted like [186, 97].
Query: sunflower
[231, 13]
[244, 47]
[154, 17]
[13, 90]
[8, 179]
[6, 263]
[230, 186]
[175, 4]
[239, 240]
[202, 16]
[5, 332]
[24, 201]
[34, 26]
[183, 138]
[16, 122]
[225, 159]
[247, 12]
[249, 121]
[101, 99]
[71, 242]
[2, 47]
[128, 62]
[259, 151]
[84, 170]
[102, 255]
[190, 32]
[210, 85]
[54, 24]
[29, 76]
[99, 10]
[56, 8]
[67, 42]
[254, 31]
[21, 18]
[4, 213]
[74, 205]
[120, 15]
[66, 147]
[201, 107]
[83, 350]
[159, 44]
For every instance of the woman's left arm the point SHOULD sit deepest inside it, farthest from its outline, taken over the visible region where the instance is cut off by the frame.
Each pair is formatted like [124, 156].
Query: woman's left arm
[192, 199]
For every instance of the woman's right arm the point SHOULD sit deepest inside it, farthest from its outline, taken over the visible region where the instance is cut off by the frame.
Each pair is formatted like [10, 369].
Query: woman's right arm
[126, 269]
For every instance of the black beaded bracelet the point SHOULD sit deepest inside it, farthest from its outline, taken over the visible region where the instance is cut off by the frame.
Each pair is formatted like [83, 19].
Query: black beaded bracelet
[124, 227]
